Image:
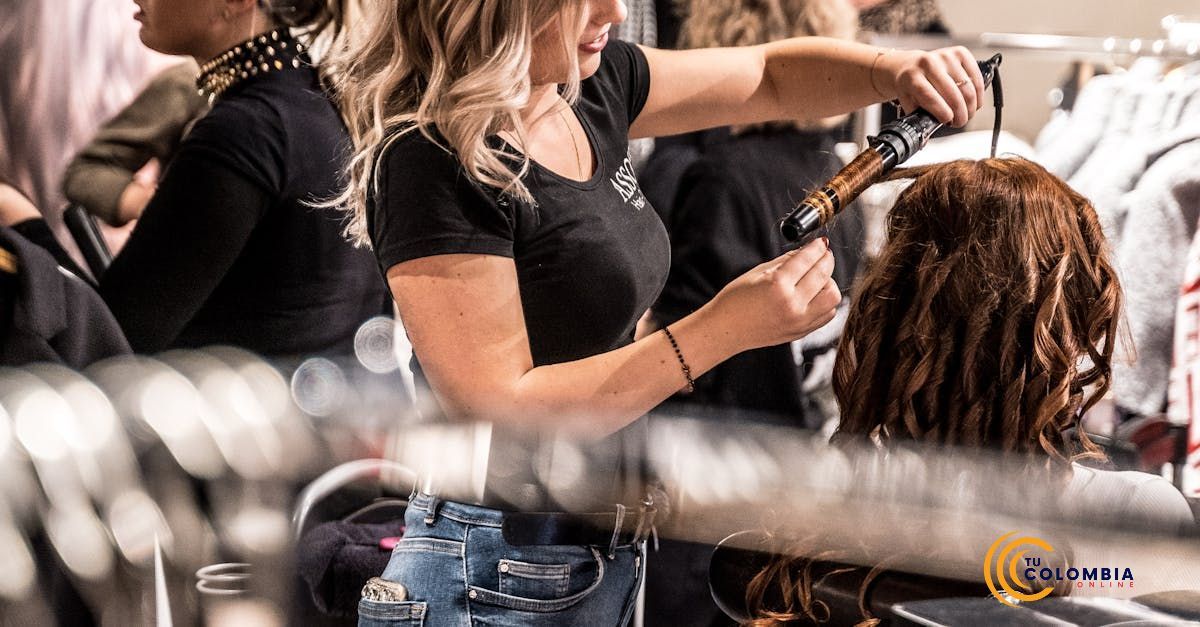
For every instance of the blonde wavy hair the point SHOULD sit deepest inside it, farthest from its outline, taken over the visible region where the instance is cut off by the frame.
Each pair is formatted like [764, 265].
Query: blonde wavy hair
[717, 23]
[730, 23]
[457, 71]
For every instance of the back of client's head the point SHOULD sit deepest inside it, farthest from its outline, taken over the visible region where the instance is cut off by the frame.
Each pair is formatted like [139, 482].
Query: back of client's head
[988, 319]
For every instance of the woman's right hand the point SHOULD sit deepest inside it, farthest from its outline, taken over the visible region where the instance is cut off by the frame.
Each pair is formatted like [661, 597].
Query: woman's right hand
[781, 300]
[137, 193]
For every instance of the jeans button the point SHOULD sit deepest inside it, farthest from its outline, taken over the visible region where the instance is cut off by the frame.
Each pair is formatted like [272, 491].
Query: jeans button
[472, 594]
[504, 568]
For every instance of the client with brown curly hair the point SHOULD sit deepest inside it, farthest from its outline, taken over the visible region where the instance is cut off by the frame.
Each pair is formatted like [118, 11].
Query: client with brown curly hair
[988, 321]
[989, 318]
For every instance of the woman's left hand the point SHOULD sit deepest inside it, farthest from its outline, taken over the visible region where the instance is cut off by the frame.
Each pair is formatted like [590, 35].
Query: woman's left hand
[945, 82]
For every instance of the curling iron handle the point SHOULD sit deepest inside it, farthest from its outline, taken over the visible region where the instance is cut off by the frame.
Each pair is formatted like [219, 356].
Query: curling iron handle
[910, 133]
[896, 142]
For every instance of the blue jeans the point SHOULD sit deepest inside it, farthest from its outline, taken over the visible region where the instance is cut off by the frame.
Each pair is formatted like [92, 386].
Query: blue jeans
[457, 571]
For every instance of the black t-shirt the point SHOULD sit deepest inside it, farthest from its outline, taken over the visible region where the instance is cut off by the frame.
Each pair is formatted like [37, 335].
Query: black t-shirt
[591, 257]
[231, 249]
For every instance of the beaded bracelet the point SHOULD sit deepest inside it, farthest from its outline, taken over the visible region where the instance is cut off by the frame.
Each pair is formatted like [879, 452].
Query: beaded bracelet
[687, 371]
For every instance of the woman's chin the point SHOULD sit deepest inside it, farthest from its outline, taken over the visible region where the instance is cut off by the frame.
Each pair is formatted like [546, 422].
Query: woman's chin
[148, 39]
[156, 44]
[588, 66]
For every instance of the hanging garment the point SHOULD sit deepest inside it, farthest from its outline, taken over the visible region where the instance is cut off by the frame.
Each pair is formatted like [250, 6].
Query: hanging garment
[1118, 132]
[1151, 254]
[1121, 158]
[641, 23]
[1184, 393]
[1064, 146]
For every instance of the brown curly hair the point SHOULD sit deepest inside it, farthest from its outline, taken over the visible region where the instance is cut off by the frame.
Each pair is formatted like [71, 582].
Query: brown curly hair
[988, 321]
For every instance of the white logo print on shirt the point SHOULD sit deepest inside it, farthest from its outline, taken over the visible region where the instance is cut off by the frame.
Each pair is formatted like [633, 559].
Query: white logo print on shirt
[625, 182]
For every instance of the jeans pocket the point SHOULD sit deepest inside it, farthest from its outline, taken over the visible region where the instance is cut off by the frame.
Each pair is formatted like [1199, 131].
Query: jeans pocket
[534, 581]
[561, 599]
[390, 613]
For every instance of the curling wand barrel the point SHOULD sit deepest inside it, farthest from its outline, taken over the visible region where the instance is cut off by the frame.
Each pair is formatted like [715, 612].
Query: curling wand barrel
[896, 142]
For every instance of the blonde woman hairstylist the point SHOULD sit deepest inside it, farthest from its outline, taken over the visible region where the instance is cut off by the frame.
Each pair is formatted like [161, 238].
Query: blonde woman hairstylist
[491, 178]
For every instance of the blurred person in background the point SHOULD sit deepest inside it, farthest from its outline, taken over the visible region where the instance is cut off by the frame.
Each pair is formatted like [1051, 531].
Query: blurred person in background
[69, 65]
[230, 248]
[896, 17]
[115, 174]
[661, 174]
[723, 222]
[47, 315]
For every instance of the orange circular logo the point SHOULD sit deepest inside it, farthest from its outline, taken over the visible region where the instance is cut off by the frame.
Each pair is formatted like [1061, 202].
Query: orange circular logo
[1000, 569]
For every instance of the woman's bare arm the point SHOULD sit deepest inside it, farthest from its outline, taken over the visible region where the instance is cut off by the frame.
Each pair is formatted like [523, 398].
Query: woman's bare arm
[801, 78]
[463, 315]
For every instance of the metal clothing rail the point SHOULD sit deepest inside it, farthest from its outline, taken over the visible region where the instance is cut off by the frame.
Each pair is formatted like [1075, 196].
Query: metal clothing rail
[1098, 47]
[1181, 42]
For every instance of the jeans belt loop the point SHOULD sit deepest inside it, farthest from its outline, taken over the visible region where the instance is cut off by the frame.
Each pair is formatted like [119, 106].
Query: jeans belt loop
[645, 526]
[616, 535]
[432, 512]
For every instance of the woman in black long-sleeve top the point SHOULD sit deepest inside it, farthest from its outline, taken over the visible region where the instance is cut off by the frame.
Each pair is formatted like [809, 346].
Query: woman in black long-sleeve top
[231, 248]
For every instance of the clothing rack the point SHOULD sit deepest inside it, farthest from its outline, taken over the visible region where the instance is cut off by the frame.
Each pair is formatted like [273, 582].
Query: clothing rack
[1170, 48]
[1181, 43]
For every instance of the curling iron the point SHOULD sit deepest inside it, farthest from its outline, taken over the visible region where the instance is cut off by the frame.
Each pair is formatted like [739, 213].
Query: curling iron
[896, 142]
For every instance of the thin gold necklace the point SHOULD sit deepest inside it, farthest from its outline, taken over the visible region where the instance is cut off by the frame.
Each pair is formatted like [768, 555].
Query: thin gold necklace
[574, 144]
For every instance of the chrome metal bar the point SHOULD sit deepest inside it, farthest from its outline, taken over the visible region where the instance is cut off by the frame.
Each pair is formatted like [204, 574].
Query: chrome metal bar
[1106, 47]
